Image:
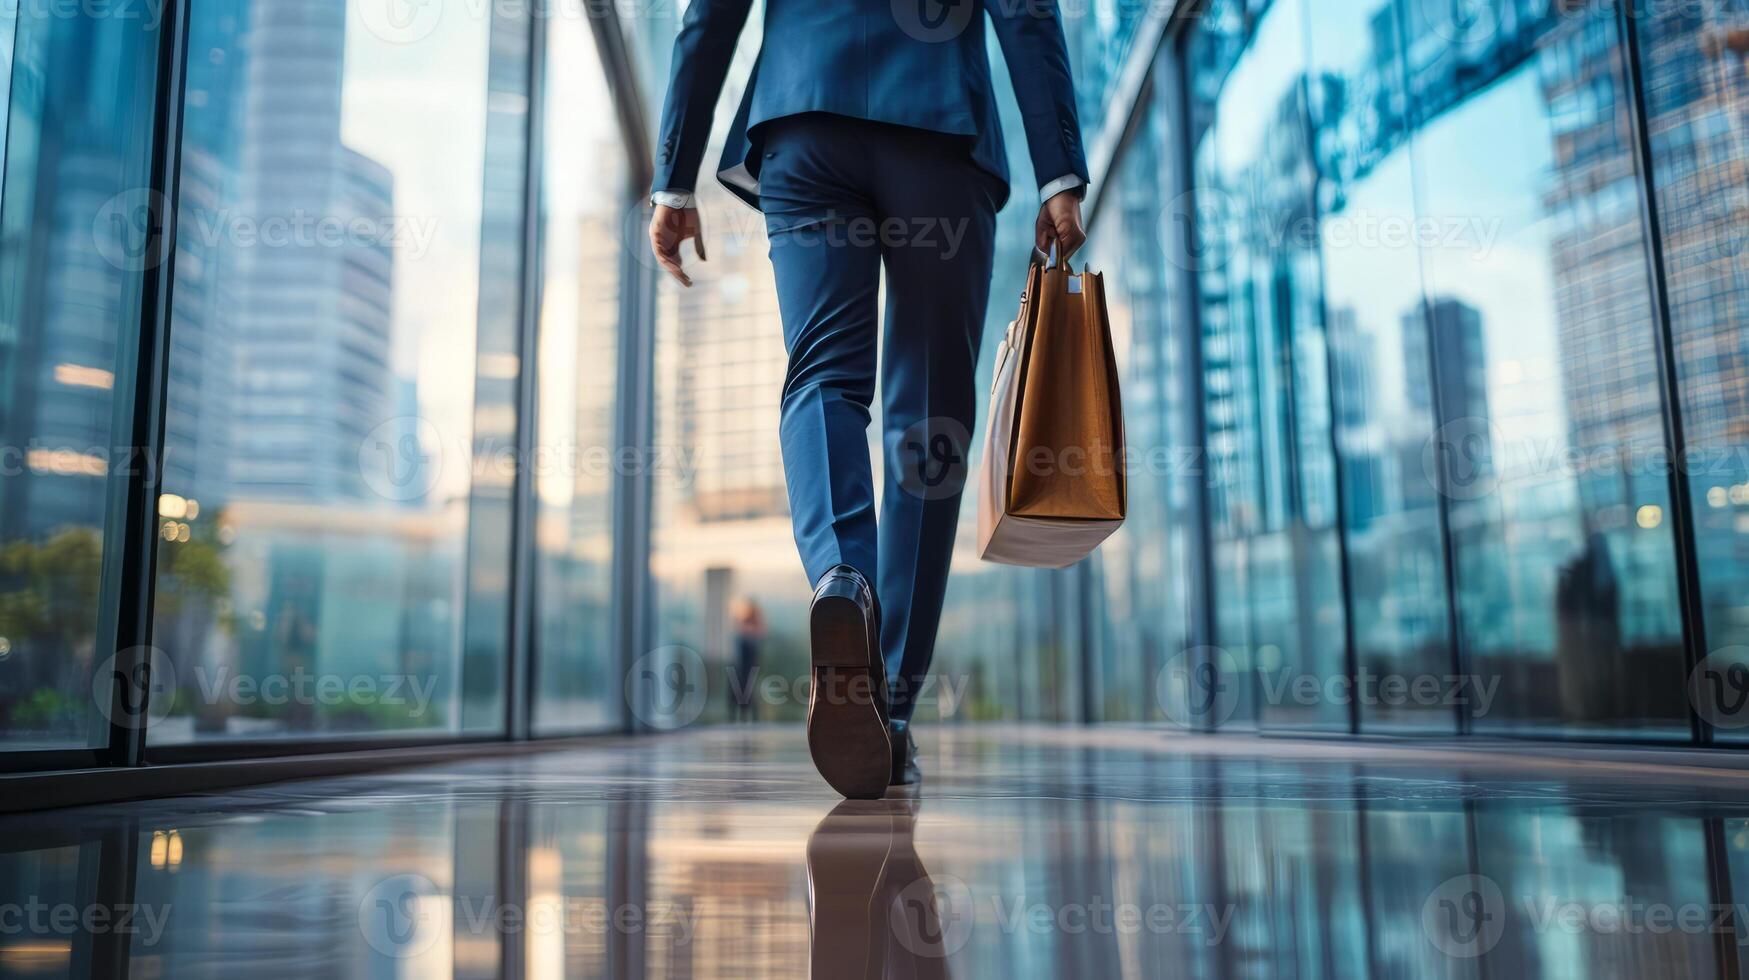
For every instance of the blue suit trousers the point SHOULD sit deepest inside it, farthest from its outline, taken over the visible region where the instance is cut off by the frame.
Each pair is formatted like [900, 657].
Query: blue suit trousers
[844, 199]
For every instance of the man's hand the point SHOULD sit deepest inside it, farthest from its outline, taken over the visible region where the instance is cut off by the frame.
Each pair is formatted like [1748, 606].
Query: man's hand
[1059, 220]
[671, 226]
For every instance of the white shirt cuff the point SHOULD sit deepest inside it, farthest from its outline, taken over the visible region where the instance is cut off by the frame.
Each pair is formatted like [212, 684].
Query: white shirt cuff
[672, 199]
[1067, 182]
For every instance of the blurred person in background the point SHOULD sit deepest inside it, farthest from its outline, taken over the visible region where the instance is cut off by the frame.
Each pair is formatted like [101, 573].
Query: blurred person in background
[749, 621]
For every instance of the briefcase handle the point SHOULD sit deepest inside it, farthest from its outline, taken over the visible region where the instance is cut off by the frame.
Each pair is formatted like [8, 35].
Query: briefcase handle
[1049, 259]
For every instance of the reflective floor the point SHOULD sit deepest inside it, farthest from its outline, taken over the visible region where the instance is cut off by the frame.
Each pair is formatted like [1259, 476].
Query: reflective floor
[1029, 852]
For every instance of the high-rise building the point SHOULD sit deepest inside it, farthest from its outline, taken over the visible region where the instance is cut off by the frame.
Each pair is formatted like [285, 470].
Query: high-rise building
[1459, 369]
[1609, 366]
[200, 392]
[313, 319]
[69, 242]
[1696, 86]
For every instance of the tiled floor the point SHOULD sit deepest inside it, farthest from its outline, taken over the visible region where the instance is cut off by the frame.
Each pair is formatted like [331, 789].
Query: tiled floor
[1029, 852]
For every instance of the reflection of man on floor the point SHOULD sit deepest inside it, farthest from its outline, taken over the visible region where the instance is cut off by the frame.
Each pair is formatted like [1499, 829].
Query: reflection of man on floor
[749, 622]
[873, 911]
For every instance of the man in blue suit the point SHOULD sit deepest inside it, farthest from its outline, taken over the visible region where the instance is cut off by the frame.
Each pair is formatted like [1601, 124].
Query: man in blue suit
[869, 137]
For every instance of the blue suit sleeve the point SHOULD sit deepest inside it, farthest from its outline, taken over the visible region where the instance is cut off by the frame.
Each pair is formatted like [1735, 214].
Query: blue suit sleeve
[1032, 42]
[702, 53]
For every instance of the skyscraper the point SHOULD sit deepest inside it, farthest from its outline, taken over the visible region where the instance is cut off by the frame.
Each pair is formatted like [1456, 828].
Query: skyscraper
[1696, 87]
[1459, 371]
[200, 391]
[313, 318]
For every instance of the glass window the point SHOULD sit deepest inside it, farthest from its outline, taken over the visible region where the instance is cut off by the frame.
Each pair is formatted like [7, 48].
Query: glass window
[1379, 359]
[1266, 380]
[1145, 568]
[1470, 324]
[1381, 366]
[1548, 414]
[497, 385]
[320, 440]
[1695, 61]
[77, 236]
[587, 222]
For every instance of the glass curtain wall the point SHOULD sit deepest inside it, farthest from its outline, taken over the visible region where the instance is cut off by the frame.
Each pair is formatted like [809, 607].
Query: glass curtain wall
[1565, 572]
[1694, 62]
[588, 225]
[1144, 572]
[498, 385]
[1457, 284]
[78, 238]
[1432, 358]
[1272, 480]
[321, 454]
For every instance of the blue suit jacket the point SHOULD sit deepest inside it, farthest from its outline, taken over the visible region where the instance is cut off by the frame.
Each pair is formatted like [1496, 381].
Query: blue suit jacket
[916, 63]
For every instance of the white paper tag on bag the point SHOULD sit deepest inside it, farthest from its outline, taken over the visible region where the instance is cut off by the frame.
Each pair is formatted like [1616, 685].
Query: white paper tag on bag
[1074, 285]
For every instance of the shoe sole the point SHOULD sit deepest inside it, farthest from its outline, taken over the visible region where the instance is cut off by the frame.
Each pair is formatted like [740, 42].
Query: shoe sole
[847, 734]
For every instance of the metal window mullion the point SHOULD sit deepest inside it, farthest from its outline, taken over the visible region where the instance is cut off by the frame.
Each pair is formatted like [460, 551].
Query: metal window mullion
[134, 578]
[1694, 641]
[519, 664]
[1175, 98]
[1332, 382]
[634, 418]
[634, 405]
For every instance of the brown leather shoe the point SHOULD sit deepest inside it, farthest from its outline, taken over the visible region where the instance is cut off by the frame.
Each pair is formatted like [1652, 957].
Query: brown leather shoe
[847, 708]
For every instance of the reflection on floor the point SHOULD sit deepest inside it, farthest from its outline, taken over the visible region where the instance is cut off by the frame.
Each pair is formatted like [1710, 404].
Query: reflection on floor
[1029, 852]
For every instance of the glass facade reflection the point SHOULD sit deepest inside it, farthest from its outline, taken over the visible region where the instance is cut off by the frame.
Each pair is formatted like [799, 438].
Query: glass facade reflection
[1429, 311]
[1695, 68]
[77, 242]
[320, 441]
[1430, 320]
[583, 211]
